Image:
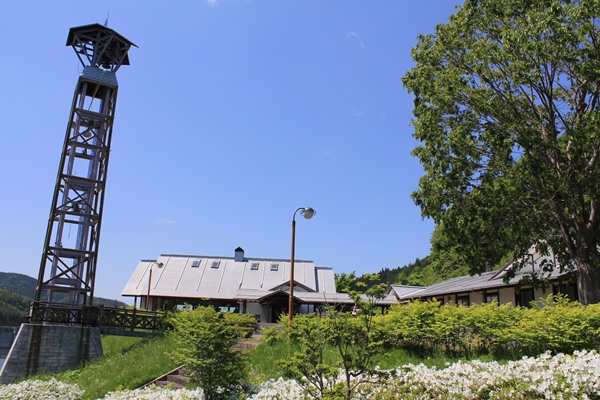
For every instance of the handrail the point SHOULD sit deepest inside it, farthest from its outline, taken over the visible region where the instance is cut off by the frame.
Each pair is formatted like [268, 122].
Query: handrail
[95, 316]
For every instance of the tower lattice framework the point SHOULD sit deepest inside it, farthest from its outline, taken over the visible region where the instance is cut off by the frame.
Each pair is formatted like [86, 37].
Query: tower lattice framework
[69, 260]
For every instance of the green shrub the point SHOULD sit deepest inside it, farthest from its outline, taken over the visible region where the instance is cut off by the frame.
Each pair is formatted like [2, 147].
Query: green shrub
[273, 334]
[556, 325]
[491, 326]
[308, 365]
[410, 326]
[244, 324]
[205, 340]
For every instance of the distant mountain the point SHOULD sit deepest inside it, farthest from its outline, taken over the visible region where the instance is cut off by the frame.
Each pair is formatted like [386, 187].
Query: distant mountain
[16, 295]
[18, 283]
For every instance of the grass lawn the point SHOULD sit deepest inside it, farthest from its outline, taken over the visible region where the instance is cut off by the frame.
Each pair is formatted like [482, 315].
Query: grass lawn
[263, 365]
[128, 363]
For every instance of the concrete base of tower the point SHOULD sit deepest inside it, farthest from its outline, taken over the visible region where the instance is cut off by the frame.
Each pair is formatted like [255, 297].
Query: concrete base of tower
[45, 349]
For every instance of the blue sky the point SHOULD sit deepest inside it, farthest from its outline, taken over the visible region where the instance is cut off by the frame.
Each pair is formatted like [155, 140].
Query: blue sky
[232, 114]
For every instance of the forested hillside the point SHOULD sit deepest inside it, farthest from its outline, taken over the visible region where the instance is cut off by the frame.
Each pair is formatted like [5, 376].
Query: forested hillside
[445, 261]
[421, 272]
[13, 308]
[16, 295]
[18, 283]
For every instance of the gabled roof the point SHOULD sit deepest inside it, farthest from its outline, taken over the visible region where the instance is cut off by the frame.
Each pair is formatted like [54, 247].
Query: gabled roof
[402, 290]
[534, 264]
[190, 276]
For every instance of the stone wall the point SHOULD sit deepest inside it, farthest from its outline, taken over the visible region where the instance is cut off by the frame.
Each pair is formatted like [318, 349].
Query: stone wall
[40, 349]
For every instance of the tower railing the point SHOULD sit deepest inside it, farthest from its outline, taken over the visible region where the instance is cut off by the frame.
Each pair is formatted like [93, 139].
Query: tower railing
[113, 320]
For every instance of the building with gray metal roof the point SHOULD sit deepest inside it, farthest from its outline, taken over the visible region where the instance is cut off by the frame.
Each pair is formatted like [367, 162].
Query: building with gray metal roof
[258, 286]
[499, 286]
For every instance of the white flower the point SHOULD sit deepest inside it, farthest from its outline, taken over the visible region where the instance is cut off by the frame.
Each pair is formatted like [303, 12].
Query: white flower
[40, 390]
[544, 377]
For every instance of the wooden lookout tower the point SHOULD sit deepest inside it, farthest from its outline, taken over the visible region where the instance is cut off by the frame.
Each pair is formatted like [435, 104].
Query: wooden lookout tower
[62, 333]
[69, 260]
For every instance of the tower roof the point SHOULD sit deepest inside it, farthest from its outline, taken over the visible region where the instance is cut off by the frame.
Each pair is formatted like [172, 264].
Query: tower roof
[100, 45]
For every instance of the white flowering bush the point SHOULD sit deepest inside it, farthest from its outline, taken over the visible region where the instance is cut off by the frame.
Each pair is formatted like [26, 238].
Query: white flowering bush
[562, 376]
[544, 377]
[279, 390]
[156, 393]
[40, 390]
[575, 376]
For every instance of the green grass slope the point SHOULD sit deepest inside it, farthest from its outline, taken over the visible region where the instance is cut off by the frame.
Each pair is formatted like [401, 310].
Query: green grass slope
[127, 364]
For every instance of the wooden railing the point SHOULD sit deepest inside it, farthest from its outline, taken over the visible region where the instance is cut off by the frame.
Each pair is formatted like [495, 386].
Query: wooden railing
[108, 319]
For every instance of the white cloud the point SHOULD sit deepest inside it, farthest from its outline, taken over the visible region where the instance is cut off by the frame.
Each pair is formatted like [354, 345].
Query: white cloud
[359, 40]
[327, 155]
[357, 112]
[212, 3]
[165, 221]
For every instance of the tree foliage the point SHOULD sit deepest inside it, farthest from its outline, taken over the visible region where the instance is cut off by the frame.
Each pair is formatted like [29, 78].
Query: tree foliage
[205, 341]
[446, 259]
[506, 98]
[13, 308]
[310, 366]
[345, 283]
[351, 335]
[355, 338]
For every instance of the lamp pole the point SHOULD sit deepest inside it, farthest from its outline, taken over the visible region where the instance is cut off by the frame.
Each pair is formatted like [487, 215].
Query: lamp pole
[307, 213]
[159, 265]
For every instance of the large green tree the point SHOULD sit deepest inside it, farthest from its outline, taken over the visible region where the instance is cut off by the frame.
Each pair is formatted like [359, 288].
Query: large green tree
[506, 98]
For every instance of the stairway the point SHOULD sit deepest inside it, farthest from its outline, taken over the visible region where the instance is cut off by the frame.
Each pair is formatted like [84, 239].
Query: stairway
[179, 377]
[176, 379]
[249, 343]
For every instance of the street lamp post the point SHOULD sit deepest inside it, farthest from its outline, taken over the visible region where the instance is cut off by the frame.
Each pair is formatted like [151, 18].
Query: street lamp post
[159, 265]
[307, 213]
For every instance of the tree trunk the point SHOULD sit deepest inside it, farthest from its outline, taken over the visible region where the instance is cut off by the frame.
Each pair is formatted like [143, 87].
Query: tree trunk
[588, 281]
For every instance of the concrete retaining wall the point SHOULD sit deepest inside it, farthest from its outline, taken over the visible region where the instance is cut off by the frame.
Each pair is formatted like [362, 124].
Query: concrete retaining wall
[39, 349]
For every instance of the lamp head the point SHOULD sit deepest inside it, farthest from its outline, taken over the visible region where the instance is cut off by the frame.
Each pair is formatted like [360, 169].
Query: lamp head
[308, 212]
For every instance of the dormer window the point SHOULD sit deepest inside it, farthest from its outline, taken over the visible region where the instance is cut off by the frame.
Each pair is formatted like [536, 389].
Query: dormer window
[254, 266]
[215, 264]
[274, 267]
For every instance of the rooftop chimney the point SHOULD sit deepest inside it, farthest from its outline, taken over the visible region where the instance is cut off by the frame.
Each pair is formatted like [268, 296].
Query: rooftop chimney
[239, 254]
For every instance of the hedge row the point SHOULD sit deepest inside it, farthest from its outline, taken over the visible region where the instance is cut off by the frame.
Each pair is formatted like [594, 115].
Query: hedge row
[556, 326]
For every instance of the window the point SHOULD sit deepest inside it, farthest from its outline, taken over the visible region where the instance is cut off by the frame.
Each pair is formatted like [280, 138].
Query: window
[274, 267]
[492, 297]
[254, 266]
[462, 300]
[525, 297]
[196, 264]
[215, 264]
[568, 289]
